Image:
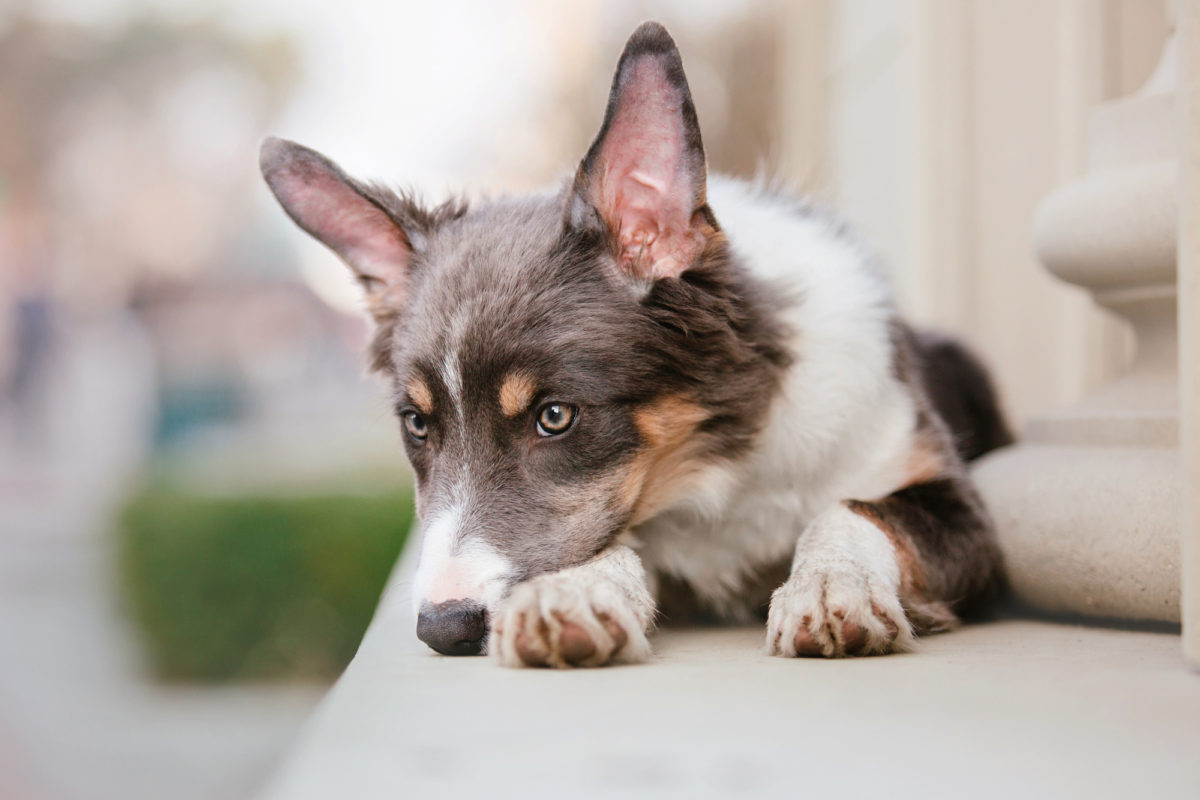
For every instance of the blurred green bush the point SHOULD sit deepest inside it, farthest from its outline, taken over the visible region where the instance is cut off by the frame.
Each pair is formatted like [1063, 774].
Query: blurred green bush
[256, 587]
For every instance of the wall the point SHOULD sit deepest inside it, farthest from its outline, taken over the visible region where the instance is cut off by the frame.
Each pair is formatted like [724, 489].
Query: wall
[937, 127]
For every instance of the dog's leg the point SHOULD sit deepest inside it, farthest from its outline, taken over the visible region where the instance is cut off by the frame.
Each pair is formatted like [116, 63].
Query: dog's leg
[867, 575]
[585, 616]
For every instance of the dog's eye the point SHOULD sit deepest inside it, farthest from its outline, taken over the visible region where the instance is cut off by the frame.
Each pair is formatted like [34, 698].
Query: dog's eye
[414, 423]
[555, 418]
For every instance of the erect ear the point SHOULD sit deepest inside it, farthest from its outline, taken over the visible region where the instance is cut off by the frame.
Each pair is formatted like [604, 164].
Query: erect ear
[644, 175]
[342, 214]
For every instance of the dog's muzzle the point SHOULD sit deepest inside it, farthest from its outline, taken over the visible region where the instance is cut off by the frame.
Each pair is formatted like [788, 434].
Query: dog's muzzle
[453, 628]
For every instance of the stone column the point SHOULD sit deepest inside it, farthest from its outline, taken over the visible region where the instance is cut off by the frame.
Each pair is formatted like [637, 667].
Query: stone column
[1189, 321]
[1088, 503]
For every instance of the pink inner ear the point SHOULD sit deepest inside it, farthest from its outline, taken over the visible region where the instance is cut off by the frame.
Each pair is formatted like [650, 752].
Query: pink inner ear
[363, 235]
[646, 191]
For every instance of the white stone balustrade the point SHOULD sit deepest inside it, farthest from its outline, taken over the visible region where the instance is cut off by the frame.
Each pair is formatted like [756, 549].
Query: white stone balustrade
[1088, 503]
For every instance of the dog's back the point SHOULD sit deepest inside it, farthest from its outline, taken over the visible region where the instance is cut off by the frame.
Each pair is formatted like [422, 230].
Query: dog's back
[961, 391]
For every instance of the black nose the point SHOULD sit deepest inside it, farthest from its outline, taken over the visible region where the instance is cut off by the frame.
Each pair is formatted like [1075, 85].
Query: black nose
[453, 628]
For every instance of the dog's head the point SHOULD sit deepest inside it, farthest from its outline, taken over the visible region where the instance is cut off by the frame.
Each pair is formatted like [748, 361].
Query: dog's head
[565, 366]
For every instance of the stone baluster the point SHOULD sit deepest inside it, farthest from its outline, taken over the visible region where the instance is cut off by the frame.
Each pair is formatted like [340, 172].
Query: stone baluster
[1088, 503]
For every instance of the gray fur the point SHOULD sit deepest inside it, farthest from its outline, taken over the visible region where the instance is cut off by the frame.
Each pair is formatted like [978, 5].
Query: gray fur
[507, 288]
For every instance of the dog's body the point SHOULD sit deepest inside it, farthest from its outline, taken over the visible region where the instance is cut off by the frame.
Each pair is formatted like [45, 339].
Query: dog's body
[650, 392]
[852, 420]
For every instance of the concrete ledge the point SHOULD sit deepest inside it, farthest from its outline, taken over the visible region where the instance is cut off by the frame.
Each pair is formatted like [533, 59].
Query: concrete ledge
[1008, 709]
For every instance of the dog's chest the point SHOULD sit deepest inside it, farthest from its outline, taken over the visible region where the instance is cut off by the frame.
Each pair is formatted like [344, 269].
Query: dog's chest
[739, 524]
[839, 428]
[720, 559]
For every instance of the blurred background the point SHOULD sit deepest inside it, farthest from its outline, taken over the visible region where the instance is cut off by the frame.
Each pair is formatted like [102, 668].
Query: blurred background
[201, 493]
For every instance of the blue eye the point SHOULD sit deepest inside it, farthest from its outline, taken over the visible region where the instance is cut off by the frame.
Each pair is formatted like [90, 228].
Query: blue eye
[555, 418]
[414, 423]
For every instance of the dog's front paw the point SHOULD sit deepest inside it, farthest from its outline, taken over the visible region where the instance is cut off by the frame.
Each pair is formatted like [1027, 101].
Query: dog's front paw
[837, 613]
[842, 598]
[558, 621]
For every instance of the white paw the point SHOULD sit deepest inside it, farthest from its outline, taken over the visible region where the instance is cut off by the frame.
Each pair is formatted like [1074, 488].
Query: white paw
[559, 620]
[843, 595]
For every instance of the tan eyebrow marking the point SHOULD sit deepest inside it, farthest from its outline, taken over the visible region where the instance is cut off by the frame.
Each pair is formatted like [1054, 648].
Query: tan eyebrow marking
[516, 393]
[418, 390]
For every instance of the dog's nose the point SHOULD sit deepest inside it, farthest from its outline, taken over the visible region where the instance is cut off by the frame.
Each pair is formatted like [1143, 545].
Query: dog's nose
[453, 628]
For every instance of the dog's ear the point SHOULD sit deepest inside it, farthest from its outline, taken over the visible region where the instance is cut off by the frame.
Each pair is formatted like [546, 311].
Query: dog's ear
[342, 214]
[643, 179]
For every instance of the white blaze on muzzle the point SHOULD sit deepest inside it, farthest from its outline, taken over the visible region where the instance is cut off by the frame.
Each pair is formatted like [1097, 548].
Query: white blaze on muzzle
[457, 567]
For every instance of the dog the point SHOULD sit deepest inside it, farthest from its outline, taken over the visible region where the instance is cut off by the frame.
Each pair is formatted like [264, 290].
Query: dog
[651, 394]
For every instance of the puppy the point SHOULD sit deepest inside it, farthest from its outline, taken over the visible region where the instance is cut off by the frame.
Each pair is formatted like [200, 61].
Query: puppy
[651, 392]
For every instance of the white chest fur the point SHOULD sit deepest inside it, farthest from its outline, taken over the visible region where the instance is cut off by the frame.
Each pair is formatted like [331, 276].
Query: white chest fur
[841, 428]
